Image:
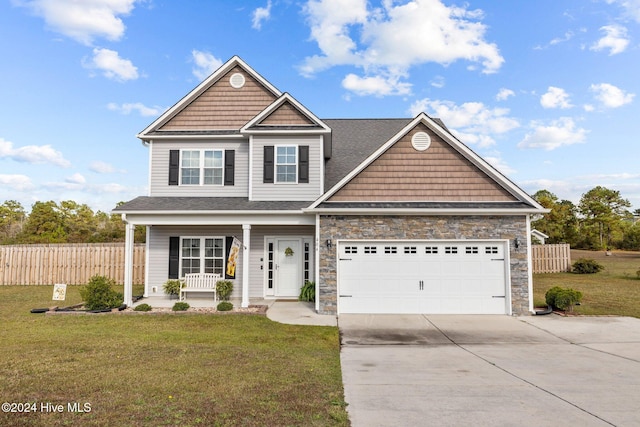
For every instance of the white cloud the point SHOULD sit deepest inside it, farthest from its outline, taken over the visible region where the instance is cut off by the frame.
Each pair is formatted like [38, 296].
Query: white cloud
[558, 133]
[377, 85]
[631, 8]
[85, 20]
[472, 122]
[615, 39]
[555, 98]
[205, 64]
[611, 96]
[261, 14]
[393, 38]
[504, 93]
[438, 81]
[76, 178]
[143, 110]
[112, 66]
[16, 182]
[35, 154]
[498, 163]
[101, 167]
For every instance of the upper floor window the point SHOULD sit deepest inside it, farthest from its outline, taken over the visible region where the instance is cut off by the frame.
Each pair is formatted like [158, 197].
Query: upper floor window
[286, 163]
[202, 167]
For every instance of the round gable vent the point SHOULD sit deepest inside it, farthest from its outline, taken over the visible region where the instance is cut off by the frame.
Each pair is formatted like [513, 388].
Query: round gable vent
[237, 80]
[421, 141]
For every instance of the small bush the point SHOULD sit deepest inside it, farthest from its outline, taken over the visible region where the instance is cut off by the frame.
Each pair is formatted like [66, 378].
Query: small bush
[567, 298]
[550, 296]
[224, 289]
[180, 306]
[172, 287]
[308, 292]
[563, 299]
[142, 307]
[98, 294]
[587, 266]
[225, 306]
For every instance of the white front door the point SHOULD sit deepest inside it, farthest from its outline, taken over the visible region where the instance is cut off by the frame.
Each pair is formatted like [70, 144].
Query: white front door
[288, 274]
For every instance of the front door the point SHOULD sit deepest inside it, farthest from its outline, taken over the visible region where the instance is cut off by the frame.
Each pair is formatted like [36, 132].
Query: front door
[288, 259]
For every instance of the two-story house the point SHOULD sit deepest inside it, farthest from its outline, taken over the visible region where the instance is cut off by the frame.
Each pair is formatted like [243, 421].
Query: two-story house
[385, 215]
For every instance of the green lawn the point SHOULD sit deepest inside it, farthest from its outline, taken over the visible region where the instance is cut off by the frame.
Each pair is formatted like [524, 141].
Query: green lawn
[613, 291]
[165, 369]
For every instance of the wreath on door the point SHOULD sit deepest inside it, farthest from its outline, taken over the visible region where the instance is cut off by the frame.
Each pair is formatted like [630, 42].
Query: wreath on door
[288, 251]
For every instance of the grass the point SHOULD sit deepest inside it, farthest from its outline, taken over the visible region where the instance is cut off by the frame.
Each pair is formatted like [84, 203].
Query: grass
[165, 369]
[613, 291]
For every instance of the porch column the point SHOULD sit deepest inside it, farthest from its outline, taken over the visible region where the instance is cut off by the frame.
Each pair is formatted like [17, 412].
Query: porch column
[128, 263]
[246, 241]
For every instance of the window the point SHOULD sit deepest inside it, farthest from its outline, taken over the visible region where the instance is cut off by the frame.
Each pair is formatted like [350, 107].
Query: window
[471, 250]
[351, 250]
[410, 250]
[431, 250]
[202, 167]
[491, 250]
[370, 250]
[286, 164]
[202, 255]
[390, 249]
[450, 250]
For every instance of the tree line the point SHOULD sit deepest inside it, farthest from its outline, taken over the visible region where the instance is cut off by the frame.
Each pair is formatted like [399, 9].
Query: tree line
[600, 221]
[64, 222]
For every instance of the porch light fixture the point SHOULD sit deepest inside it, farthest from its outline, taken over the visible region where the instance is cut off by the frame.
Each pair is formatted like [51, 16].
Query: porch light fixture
[516, 242]
[329, 244]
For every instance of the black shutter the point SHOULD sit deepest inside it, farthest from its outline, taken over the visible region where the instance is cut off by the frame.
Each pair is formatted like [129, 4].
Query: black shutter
[174, 257]
[174, 166]
[303, 164]
[268, 165]
[229, 166]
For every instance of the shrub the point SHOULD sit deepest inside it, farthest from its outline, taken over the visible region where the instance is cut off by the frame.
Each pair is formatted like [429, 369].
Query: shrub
[142, 307]
[98, 294]
[567, 298]
[172, 287]
[225, 306]
[563, 299]
[224, 289]
[550, 296]
[586, 266]
[308, 291]
[180, 306]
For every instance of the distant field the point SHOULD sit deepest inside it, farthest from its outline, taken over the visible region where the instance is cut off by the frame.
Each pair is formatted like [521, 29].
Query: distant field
[613, 291]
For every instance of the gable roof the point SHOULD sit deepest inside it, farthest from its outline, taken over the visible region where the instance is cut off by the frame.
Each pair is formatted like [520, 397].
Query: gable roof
[437, 127]
[154, 130]
[295, 117]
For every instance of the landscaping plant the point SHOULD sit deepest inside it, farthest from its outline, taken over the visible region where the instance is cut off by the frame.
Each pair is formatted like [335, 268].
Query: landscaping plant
[308, 291]
[563, 299]
[180, 306]
[172, 287]
[142, 307]
[98, 294]
[224, 289]
[225, 306]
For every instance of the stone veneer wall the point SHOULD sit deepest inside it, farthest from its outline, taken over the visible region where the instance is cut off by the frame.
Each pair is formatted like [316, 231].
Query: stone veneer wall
[363, 227]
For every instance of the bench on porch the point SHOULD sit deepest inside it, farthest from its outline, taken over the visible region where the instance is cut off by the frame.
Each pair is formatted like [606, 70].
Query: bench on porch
[199, 282]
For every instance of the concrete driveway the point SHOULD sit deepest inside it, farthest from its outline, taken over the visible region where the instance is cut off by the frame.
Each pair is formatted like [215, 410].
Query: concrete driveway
[440, 370]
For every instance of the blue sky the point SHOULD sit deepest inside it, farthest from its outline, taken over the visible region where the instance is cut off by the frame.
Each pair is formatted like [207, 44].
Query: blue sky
[546, 90]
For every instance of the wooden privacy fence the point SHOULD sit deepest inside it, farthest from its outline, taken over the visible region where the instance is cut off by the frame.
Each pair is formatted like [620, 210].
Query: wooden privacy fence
[551, 258]
[73, 264]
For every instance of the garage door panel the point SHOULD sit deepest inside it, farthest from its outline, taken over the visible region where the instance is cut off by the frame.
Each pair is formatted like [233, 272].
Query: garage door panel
[422, 277]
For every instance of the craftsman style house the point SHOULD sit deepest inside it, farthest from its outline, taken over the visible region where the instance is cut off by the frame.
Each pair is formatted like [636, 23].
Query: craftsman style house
[385, 215]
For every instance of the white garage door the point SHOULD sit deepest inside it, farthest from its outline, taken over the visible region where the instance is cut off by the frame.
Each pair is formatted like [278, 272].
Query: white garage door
[431, 277]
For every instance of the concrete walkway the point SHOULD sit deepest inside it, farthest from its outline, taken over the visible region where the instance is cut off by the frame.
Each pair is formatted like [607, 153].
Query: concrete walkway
[298, 313]
[491, 370]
